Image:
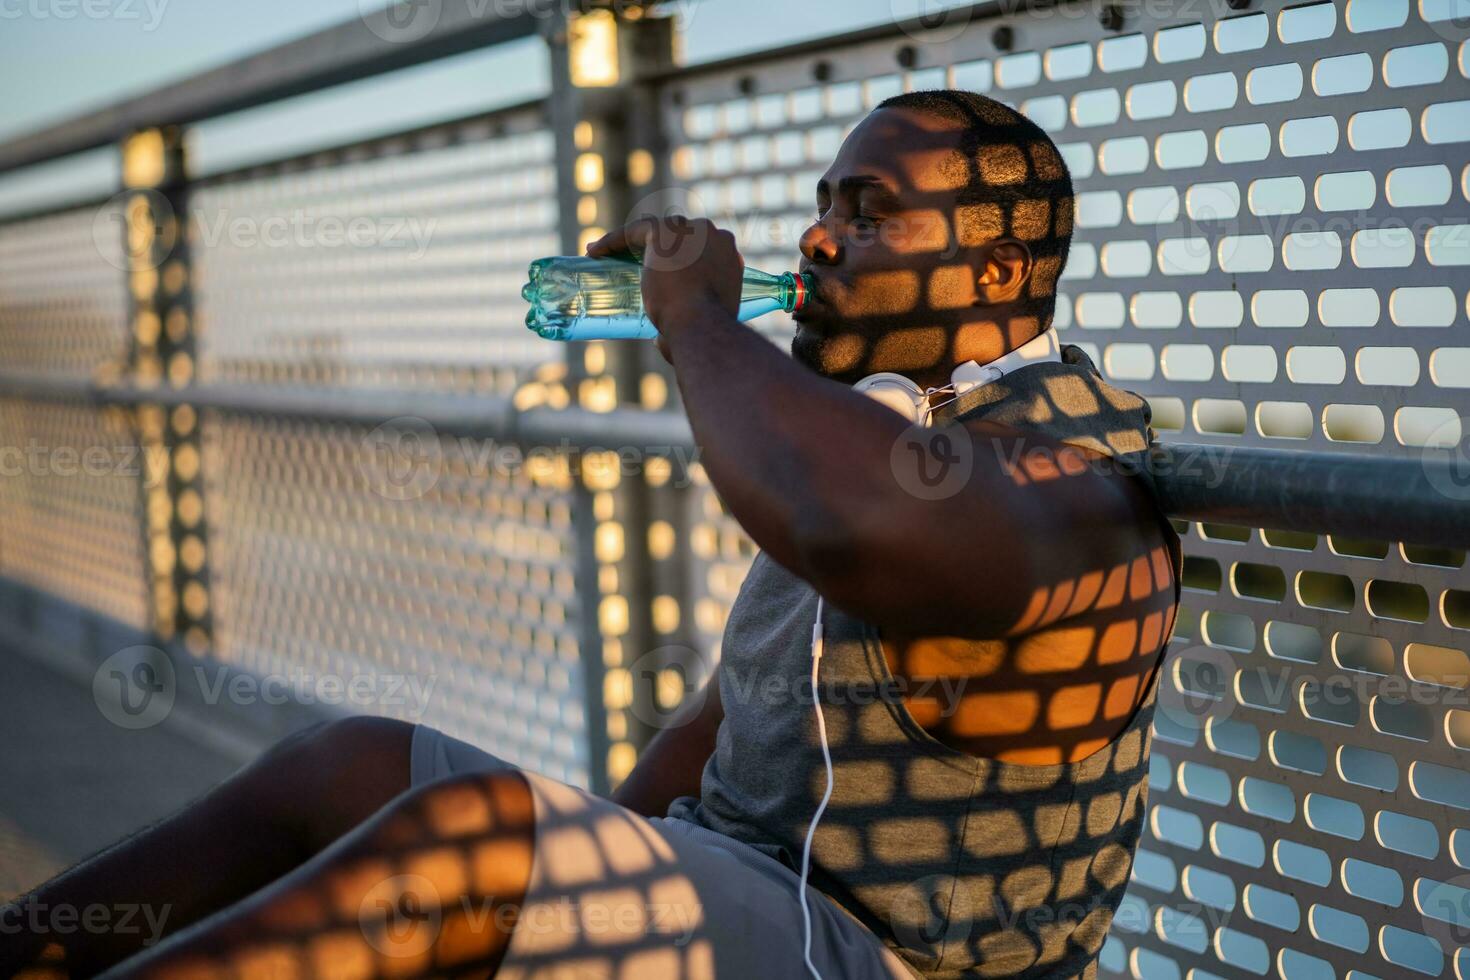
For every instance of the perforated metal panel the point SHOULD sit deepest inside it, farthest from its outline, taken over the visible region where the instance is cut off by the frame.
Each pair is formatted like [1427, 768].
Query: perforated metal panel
[1271, 240]
[1272, 214]
[63, 304]
[69, 505]
[395, 263]
[1307, 792]
[389, 559]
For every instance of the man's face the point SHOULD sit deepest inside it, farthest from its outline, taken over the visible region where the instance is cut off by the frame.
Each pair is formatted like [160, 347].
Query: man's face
[906, 278]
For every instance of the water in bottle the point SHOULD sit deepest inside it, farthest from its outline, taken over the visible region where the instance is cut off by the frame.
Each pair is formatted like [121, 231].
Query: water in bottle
[576, 297]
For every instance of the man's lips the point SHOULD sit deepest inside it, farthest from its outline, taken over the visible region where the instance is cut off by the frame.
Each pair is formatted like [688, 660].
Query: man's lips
[813, 297]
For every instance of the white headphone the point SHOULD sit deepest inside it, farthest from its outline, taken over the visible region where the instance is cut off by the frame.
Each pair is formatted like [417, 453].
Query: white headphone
[912, 402]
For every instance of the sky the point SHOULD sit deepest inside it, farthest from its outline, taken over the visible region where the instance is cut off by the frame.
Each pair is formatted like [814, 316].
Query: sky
[61, 58]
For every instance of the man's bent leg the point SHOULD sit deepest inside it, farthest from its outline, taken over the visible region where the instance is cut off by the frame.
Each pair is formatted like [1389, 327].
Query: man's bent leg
[616, 895]
[430, 886]
[254, 827]
[499, 870]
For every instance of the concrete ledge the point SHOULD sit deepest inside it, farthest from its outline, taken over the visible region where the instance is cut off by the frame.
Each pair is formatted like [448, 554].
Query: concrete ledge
[82, 644]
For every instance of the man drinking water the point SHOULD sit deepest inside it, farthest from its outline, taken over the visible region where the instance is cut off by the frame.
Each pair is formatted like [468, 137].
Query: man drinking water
[959, 608]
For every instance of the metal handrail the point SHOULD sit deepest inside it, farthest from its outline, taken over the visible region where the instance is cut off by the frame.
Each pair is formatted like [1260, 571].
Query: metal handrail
[1423, 501]
[359, 48]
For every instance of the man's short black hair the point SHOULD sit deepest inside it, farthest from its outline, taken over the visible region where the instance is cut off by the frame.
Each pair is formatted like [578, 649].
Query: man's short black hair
[1017, 184]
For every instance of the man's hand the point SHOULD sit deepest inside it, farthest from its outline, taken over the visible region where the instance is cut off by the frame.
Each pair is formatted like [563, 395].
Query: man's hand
[688, 264]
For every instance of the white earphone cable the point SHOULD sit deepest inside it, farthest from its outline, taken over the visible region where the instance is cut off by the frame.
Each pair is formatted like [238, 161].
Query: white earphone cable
[806, 851]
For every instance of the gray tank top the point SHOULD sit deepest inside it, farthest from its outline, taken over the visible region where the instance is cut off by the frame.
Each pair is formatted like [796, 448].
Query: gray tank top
[964, 866]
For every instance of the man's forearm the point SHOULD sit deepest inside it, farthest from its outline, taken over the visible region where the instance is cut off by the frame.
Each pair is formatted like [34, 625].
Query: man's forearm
[787, 449]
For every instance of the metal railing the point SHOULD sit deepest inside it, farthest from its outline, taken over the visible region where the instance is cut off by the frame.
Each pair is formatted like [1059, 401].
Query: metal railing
[352, 460]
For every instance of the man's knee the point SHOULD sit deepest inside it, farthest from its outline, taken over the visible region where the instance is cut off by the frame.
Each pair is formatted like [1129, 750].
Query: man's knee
[473, 831]
[462, 845]
[327, 778]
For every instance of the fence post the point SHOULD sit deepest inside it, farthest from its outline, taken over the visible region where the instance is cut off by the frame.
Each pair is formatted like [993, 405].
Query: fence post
[596, 59]
[162, 354]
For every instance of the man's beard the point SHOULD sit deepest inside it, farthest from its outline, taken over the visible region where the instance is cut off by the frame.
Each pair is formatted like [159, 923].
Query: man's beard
[806, 348]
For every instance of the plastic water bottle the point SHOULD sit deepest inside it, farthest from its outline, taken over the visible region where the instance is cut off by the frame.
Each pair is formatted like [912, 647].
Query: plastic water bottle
[574, 297]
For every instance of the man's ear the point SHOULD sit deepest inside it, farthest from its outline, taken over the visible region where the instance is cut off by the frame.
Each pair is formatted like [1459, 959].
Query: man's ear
[1005, 273]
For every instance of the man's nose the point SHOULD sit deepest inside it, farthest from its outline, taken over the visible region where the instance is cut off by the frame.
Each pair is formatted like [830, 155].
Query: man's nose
[820, 247]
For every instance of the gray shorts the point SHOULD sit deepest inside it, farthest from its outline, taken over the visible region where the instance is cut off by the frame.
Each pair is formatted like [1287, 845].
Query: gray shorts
[618, 896]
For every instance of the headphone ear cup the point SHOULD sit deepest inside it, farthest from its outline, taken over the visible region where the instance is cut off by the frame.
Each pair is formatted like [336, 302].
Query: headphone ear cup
[895, 391]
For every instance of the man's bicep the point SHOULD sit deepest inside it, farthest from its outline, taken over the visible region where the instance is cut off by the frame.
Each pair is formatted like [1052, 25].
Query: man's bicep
[1036, 527]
